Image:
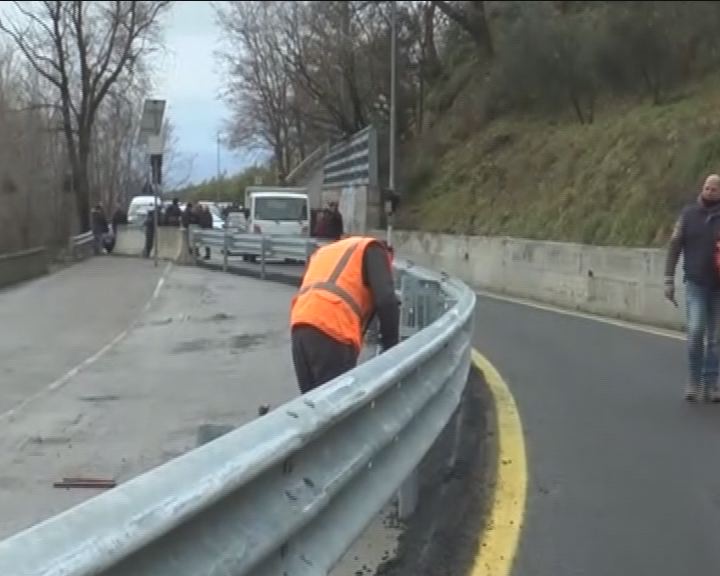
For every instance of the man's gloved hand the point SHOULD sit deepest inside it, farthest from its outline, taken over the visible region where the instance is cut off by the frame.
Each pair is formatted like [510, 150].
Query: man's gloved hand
[670, 290]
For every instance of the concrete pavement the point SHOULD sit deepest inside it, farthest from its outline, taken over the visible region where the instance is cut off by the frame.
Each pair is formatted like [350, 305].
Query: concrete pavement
[624, 476]
[52, 324]
[208, 351]
[289, 274]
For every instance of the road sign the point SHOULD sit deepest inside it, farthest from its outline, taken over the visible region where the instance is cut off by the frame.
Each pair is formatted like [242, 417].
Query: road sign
[151, 123]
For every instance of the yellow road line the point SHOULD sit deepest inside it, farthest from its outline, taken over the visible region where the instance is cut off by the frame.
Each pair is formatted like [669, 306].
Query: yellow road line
[501, 534]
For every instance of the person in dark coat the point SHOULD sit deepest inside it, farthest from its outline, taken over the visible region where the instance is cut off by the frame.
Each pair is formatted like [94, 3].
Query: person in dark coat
[187, 215]
[334, 227]
[206, 223]
[99, 227]
[173, 214]
[696, 236]
[119, 218]
[149, 233]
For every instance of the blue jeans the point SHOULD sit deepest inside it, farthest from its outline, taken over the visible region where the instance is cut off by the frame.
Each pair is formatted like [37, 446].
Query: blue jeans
[703, 315]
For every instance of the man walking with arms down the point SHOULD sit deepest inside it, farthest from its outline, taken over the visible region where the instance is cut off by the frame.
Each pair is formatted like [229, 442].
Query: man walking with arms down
[346, 284]
[696, 234]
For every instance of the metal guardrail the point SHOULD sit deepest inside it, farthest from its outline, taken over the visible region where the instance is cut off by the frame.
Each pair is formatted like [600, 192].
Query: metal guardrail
[254, 247]
[288, 493]
[83, 239]
[82, 246]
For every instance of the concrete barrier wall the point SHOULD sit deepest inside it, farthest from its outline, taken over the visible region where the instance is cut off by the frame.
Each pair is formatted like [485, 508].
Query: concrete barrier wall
[130, 241]
[20, 266]
[619, 282]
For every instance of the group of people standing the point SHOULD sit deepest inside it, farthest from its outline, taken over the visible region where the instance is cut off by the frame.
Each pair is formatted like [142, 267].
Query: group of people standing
[198, 215]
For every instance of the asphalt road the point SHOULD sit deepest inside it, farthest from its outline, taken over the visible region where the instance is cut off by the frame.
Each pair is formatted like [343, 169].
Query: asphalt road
[50, 325]
[624, 476]
[284, 273]
[204, 352]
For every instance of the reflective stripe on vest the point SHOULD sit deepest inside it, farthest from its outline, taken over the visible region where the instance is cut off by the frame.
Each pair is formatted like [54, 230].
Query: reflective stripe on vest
[330, 285]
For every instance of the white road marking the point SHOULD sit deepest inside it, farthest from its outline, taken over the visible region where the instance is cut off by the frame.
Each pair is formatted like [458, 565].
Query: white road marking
[70, 374]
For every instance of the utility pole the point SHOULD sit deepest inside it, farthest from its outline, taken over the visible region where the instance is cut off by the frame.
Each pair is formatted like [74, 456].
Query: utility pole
[393, 81]
[151, 135]
[217, 186]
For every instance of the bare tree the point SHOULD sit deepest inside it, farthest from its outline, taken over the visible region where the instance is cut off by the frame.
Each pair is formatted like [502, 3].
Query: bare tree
[178, 166]
[258, 88]
[471, 17]
[81, 49]
[31, 155]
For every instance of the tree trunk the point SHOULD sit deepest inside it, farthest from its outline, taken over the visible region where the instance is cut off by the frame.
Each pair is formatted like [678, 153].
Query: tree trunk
[81, 179]
[420, 118]
[300, 133]
[431, 62]
[474, 22]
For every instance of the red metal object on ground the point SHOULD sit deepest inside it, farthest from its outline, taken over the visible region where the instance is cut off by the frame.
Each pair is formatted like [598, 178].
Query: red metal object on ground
[85, 483]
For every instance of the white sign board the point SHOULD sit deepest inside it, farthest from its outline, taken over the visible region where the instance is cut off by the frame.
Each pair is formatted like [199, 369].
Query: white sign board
[151, 123]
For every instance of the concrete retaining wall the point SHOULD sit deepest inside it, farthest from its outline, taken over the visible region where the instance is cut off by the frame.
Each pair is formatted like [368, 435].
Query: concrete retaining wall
[19, 266]
[619, 282]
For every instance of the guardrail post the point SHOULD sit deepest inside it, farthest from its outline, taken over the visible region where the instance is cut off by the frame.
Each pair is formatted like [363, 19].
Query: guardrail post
[263, 250]
[225, 248]
[408, 496]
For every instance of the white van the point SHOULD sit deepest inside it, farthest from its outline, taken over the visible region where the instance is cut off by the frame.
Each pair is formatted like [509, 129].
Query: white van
[278, 211]
[139, 207]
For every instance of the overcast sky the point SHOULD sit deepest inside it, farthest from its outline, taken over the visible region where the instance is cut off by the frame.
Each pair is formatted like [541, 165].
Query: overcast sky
[189, 79]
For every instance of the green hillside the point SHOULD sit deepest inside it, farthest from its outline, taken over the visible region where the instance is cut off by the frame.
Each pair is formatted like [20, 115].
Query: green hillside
[617, 181]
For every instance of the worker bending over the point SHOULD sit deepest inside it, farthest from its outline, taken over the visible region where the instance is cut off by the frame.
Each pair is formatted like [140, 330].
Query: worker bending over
[345, 284]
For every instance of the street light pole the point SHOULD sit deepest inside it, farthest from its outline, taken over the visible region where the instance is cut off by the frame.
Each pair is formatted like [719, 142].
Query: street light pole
[217, 186]
[155, 223]
[152, 137]
[393, 95]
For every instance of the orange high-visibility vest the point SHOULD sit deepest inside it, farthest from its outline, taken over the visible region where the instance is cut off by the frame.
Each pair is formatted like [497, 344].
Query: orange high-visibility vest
[332, 297]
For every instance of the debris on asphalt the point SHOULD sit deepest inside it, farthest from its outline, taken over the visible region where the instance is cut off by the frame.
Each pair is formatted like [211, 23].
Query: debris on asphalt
[85, 483]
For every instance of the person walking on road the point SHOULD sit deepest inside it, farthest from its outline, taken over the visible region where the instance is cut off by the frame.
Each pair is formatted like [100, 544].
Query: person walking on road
[696, 236]
[119, 218]
[99, 227]
[149, 232]
[206, 222]
[345, 285]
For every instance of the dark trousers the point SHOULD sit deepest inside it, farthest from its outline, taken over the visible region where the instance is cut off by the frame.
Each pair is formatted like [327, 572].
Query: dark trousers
[318, 358]
[149, 242]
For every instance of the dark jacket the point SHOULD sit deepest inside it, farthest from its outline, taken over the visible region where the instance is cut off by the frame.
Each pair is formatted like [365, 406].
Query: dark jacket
[173, 214]
[206, 219]
[187, 216]
[150, 221]
[334, 227]
[99, 223]
[695, 235]
[377, 276]
[119, 217]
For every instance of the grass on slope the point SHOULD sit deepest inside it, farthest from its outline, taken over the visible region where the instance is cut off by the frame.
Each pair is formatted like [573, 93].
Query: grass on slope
[619, 181]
